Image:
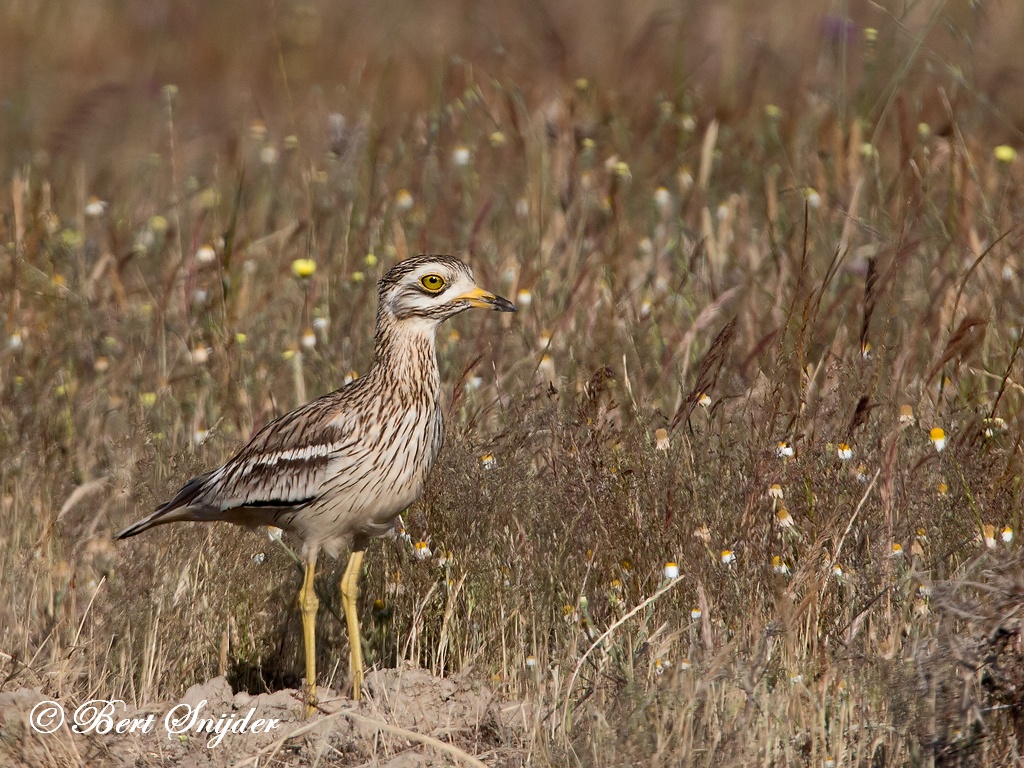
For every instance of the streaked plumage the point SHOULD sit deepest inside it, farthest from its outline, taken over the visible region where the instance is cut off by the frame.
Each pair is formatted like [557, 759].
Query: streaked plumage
[346, 464]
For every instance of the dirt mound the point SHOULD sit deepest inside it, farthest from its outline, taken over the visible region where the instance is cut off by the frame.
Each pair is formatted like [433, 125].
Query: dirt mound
[410, 719]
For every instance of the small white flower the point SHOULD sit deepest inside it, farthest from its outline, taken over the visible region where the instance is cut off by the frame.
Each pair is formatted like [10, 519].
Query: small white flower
[813, 197]
[259, 558]
[421, 550]
[268, 155]
[403, 200]
[845, 452]
[199, 297]
[728, 557]
[661, 666]
[988, 533]
[308, 340]
[784, 450]
[473, 383]
[663, 199]
[531, 662]
[661, 441]
[95, 208]
[488, 461]
[525, 297]
[780, 566]
[350, 377]
[461, 156]
[199, 436]
[399, 530]
[938, 438]
[206, 255]
[1007, 535]
[785, 519]
[671, 570]
[145, 240]
[15, 342]
[695, 613]
[546, 369]
[906, 414]
[200, 354]
[775, 491]
[896, 551]
[685, 180]
[320, 324]
[994, 426]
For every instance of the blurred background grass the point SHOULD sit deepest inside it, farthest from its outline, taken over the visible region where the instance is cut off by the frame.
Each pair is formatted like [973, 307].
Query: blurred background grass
[806, 212]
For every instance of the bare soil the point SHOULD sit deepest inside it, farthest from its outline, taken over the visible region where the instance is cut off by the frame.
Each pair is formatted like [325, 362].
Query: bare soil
[409, 719]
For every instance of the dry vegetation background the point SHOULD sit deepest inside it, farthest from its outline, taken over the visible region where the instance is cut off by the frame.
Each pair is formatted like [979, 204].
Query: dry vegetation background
[796, 209]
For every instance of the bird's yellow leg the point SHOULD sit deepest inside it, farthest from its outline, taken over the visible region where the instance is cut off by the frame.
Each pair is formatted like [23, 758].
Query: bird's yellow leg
[349, 598]
[309, 603]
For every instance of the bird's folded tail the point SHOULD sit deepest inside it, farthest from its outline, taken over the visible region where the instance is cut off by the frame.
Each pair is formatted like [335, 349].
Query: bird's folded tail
[177, 509]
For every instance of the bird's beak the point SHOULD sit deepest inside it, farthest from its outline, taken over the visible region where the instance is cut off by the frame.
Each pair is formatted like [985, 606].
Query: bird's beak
[478, 297]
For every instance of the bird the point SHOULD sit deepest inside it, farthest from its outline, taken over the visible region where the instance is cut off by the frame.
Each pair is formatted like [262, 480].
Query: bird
[345, 465]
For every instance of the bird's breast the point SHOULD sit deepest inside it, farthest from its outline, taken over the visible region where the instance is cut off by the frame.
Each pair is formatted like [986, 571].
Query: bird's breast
[384, 473]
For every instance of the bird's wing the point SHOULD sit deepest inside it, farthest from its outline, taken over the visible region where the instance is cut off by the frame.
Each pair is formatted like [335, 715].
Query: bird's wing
[283, 466]
[286, 462]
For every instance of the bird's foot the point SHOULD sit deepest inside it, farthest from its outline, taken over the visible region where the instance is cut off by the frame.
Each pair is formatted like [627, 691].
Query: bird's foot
[311, 702]
[357, 685]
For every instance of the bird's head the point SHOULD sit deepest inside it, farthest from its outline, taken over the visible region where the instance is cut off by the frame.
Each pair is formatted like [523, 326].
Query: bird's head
[434, 288]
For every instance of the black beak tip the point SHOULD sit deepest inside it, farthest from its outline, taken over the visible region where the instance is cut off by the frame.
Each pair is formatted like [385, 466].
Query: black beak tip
[502, 304]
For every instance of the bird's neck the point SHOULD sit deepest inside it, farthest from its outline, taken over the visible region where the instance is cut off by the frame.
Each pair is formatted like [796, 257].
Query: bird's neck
[404, 353]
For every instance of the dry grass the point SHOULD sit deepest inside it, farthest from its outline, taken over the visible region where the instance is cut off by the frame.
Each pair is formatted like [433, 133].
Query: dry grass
[833, 239]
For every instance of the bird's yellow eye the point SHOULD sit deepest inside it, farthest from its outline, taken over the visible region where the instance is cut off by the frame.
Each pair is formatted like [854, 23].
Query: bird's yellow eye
[433, 283]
